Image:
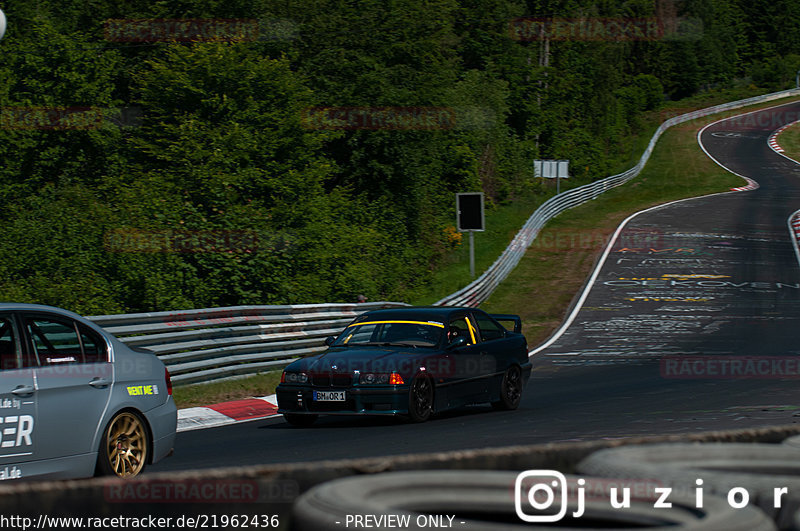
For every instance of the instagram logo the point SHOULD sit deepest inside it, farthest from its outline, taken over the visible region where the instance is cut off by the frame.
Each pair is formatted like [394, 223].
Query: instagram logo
[537, 489]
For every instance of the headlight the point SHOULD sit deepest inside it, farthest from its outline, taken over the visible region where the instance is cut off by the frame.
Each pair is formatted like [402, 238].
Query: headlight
[371, 378]
[294, 377]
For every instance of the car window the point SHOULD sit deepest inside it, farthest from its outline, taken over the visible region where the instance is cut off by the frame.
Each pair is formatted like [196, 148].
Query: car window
[461, 327]
[8, 344]
[489, 328]
[94, 347]
[55, 341]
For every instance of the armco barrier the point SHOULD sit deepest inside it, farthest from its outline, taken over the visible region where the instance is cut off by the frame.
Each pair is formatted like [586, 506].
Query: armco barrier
[214, 343]
[480, 289]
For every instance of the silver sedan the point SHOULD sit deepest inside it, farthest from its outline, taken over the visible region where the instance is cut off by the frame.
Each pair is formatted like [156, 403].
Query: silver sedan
[75, 401]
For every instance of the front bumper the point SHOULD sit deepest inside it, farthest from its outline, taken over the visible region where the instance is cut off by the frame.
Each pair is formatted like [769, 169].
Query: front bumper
[378, 400]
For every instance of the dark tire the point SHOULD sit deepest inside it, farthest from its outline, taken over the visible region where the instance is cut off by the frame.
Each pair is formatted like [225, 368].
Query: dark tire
[485, 500]
[510, 389]
[757, 467]
[125, 446]
[300, 420]
[420, 399]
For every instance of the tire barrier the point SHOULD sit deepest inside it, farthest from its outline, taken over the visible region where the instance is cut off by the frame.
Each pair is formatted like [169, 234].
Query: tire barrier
[485, 500]
[272, 489]
[748, 473]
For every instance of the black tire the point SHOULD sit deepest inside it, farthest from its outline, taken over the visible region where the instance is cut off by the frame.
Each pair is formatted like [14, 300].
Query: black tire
[510, 389]
[124, 447]
[759, 468]
[300, 420]
[485, 500]
[420, 399]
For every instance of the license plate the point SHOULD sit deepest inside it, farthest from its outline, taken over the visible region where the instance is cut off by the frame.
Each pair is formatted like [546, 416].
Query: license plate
[329, 396]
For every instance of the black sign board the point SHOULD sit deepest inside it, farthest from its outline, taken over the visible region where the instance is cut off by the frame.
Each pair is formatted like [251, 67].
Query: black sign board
[470, 212]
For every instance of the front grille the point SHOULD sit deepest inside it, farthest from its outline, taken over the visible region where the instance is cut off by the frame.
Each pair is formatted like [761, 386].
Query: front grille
[331, 380]
[320, 380]
[341, 380]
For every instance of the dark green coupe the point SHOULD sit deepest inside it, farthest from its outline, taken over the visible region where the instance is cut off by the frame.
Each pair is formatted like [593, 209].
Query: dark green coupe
[410, 362]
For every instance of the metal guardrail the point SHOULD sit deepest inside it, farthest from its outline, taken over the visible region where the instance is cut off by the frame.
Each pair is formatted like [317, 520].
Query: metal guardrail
[480, 289]
[216, 343]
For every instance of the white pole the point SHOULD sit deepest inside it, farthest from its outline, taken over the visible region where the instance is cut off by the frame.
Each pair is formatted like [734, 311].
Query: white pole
[2, 23]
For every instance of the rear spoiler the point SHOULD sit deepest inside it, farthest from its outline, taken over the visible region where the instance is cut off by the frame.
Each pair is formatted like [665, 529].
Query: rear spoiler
[508, 317]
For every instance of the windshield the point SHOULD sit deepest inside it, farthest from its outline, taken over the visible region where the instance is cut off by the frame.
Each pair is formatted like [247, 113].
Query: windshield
[392, 333]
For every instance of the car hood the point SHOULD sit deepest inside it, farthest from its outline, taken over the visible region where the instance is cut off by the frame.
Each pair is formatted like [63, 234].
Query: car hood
[364, 359]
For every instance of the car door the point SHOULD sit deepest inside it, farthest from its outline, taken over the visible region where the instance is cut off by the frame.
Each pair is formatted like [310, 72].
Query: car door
[465, 384]
[73, 382]
[17, 403]
[493, 357]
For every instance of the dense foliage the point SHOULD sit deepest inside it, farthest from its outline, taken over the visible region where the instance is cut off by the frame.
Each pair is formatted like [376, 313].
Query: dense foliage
[141, 175]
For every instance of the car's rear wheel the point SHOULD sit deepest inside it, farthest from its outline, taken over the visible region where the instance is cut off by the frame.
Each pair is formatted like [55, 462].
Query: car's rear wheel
[420, 399]
[510, 389]
[300, 420]
[125, 447]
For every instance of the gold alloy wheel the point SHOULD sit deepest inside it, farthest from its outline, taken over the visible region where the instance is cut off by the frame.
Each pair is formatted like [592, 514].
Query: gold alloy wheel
[126, 445]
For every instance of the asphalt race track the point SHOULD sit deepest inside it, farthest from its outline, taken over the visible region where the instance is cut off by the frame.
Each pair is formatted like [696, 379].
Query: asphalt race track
[689, 294]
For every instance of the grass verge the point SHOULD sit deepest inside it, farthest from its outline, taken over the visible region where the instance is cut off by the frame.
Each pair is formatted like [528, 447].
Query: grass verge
[789, 140]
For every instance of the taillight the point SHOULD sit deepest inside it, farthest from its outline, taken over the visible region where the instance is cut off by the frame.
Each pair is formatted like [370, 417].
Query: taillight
[168, 380]
[283, 377]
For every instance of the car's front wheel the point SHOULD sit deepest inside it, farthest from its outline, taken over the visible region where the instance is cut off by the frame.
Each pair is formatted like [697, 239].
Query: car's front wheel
[299, 420]
[124, 448]
[420, 399]
[510, 389]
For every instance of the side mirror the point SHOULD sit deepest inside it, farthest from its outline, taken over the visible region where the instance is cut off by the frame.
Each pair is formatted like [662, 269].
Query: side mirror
[329, 340]
[457, 342]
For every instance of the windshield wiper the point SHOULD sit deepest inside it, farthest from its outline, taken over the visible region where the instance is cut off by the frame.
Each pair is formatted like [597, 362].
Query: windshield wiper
[362, 343]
